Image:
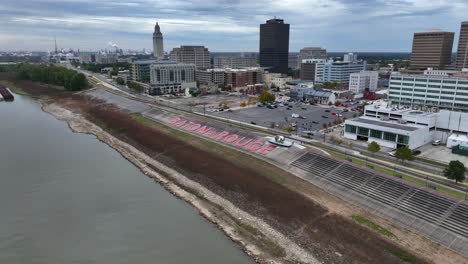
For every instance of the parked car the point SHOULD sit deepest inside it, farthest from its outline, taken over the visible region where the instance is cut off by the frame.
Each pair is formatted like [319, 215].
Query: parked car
[416, 152]
[334, 113]
[392, 153]
[324, 116]
[436, 143]
[315, 122]
[304, 108]
[270, 107]
[253, 123]
[327, 110]
[340, 115]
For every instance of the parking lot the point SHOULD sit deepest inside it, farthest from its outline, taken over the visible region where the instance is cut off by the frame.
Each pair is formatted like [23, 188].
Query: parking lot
[311, 117]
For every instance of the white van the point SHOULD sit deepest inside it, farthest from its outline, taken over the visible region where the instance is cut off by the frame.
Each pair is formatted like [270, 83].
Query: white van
[436, 143]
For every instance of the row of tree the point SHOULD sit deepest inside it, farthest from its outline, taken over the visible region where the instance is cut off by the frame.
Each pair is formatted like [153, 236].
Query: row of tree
[50, 74]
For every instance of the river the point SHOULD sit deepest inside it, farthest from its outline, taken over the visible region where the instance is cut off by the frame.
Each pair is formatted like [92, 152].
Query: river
[68, 198]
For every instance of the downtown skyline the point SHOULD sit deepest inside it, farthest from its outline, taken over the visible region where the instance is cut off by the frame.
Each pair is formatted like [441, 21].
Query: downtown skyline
[358, 25]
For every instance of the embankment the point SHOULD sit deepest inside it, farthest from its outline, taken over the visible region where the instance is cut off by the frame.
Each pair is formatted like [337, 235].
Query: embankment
[248, 198]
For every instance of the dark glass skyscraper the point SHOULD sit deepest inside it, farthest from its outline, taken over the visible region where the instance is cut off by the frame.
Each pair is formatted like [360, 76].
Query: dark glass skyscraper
[274, 45]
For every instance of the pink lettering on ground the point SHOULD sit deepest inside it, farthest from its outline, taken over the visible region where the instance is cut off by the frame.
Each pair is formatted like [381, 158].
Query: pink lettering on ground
[174, 120]
[221, 135]
[231, 138]
[180, 123]
[203, 130]
[267, 149]
[239, 144]
[194, 127]
[254, 146]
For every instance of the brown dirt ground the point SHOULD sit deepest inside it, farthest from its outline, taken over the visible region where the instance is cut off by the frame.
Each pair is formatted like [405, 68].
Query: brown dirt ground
[332, 238]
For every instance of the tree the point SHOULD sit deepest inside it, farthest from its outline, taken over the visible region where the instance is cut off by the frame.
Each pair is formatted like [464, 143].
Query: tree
[120, 81]
[266, 97]
[404, 153]
[373, 147]
[455, 171]
[243, 104]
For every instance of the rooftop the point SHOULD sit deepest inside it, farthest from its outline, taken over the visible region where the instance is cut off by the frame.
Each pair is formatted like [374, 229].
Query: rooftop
[398, 110]
[388, 124]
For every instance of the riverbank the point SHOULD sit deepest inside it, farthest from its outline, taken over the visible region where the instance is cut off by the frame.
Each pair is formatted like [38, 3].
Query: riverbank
[258, 205]
[221, 212]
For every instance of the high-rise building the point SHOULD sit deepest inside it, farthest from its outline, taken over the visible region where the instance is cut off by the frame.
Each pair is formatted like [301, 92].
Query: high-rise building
[308, 69]
[338, 71]
[140, 70]
[441, 91]
[293, 61]
[312, 53]
[196, 55]
[210, 76]
[169, 77]
[158, 48]
[462, 51]
[234, 62]
[360, 82]
[274, 45]
[432, 50]
[243, 77]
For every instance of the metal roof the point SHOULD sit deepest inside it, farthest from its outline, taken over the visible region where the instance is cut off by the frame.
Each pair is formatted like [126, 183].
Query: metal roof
[386, 124]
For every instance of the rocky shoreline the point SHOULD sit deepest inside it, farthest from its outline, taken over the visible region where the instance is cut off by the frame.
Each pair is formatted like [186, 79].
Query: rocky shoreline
[207, 203]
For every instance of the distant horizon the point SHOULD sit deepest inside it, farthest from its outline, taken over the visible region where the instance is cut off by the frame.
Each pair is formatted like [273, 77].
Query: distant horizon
[45, 51]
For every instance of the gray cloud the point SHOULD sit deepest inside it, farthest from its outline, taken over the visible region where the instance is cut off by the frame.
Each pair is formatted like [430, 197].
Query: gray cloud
[338, 25]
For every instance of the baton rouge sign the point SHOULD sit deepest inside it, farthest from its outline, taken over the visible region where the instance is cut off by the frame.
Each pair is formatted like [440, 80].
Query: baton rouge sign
[224, 136]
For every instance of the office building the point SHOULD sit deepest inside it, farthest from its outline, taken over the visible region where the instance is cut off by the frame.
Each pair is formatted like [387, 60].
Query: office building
[274, 46]
[158, 48]
[392, 126]
[234, 62]
[439, 91]
[196, 55]
[308, 69]
[87, 57]
[293, 61]
[338, 71]
[462, 51]
[210, 76]
[350, 57]
[106, 58]
[360, 82]
[312, 53]
[236, 78]
[140, 70]
[169, 77]
[432, 50]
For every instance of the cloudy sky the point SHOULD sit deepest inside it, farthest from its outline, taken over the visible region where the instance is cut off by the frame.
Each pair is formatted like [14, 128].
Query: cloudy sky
[224, 25]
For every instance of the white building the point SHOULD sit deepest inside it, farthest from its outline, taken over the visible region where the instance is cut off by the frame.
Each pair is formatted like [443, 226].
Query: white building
[350, 57]
[393, 126]
[158, 48]
[196, 55]
[440, 91]
[210, 76]
[276, 79]
[170, 77]
[337, 71]
[363, 81]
